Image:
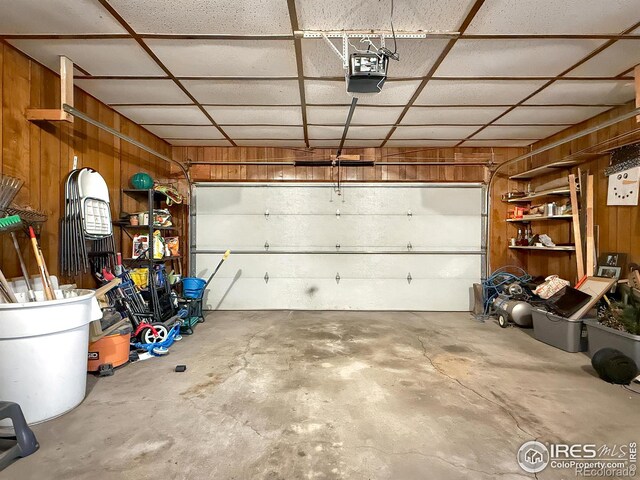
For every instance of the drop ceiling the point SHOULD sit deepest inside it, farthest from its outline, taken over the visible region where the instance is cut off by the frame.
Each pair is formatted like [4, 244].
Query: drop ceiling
[230, 72]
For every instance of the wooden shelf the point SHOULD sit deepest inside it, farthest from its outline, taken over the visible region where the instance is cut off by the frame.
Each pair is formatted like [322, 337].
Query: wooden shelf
[143, 194]
[539, 171]
[560, 192]
[567, 248]
[539, 219]
[142, 227]
[155, 260]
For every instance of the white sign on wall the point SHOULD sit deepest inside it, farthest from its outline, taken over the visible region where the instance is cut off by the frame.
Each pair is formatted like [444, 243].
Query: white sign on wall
[623, 187]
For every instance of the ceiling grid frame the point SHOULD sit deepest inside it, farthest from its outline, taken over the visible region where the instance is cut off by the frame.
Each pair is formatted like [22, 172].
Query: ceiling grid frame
[560, 76]
[297, 43]
[112, 11]
[465, 24]
[130, 33]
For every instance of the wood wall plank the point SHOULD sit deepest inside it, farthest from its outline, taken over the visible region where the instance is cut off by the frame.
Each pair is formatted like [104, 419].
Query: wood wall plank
[42, 153]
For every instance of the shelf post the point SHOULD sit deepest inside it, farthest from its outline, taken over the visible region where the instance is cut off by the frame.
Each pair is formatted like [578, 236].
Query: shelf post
[577, 236]
[636, 72]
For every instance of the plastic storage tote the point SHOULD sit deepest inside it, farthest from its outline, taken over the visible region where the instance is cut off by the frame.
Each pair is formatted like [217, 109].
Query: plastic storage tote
[604, 337]
[560, 332]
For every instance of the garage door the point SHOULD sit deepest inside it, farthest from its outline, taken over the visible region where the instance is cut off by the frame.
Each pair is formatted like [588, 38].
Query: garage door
[374, 247]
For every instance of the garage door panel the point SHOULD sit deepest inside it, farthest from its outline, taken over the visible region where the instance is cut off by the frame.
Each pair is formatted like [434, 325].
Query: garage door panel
[349, 266]
[325, 294]
[362, 232]
[420, 246]
[355, 200]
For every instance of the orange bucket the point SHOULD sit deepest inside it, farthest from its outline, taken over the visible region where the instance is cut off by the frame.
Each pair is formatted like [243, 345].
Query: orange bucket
[113, 349]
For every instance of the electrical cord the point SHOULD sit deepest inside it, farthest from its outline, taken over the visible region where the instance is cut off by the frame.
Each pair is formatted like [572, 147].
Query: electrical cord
[384, 50]
[491, 287]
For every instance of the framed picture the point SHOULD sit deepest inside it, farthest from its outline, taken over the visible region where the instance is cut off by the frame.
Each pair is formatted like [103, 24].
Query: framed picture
[609, 272]
[613, 259]
[597, 287]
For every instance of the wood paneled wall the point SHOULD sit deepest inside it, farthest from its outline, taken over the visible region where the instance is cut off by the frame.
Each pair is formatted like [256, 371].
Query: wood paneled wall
[380, 173]
[42, 153]
[618, 227]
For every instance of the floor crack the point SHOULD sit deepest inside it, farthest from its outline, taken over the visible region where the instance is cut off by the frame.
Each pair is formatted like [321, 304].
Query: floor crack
[243, 355]
[244, 424]
[426, 455]
[454, 379]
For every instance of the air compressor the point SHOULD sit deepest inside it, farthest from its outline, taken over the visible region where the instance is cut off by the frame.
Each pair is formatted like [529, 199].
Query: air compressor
[512, 310]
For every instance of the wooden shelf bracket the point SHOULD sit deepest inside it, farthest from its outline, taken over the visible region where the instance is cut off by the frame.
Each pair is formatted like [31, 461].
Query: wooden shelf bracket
[66, 97]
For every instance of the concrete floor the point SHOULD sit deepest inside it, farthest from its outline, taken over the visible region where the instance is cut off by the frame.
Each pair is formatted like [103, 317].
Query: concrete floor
[334, 395]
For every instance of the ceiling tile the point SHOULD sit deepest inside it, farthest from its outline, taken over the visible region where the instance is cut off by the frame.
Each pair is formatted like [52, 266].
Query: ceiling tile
[318, 132]
[554, 17]
[410, 15]
[98, 57]
[451, 115]
[56, 17]
[166, 115]
[434, 132]
[477, 92]
[199, 143]
[277, 132]
[271, 143]
[514, 58]
[363, 115]
[256, 115]
[185, 132]
[421, 143]
[620, 56]
[566, 115]
[417, 57]
[601, 92]
[206, 16]
[134, 91]
[335, 92]
[227, 58]
[497, 143]
[508, 132]
[248, 92]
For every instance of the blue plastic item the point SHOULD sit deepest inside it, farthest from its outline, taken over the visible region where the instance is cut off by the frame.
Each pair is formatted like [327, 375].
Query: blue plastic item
[161, 347]
[193, 287]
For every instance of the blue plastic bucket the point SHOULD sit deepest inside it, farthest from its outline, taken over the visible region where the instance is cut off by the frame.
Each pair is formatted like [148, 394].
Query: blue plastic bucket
[193, 287]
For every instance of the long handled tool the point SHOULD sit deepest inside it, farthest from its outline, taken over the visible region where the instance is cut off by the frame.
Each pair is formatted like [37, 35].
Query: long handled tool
[6, 290]
[224, 257]
[9, 187]
[46, 281]
[25, 273]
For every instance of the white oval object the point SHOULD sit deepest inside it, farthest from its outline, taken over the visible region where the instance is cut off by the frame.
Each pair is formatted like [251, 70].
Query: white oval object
[43, 355]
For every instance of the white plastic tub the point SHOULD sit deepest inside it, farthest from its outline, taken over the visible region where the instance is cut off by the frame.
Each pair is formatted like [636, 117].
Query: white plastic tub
[43, 354]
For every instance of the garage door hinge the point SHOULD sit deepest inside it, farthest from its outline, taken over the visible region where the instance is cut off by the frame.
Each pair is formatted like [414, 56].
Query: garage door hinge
[337, 246]
[337, 277]
[338, 213]
[266, 246]
[266, 277]
[409, 214]
[409, 246]
[266, 214]
[409, 277]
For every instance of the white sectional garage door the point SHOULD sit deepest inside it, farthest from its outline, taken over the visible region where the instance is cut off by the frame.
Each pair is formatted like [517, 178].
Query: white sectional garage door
[374, 247]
